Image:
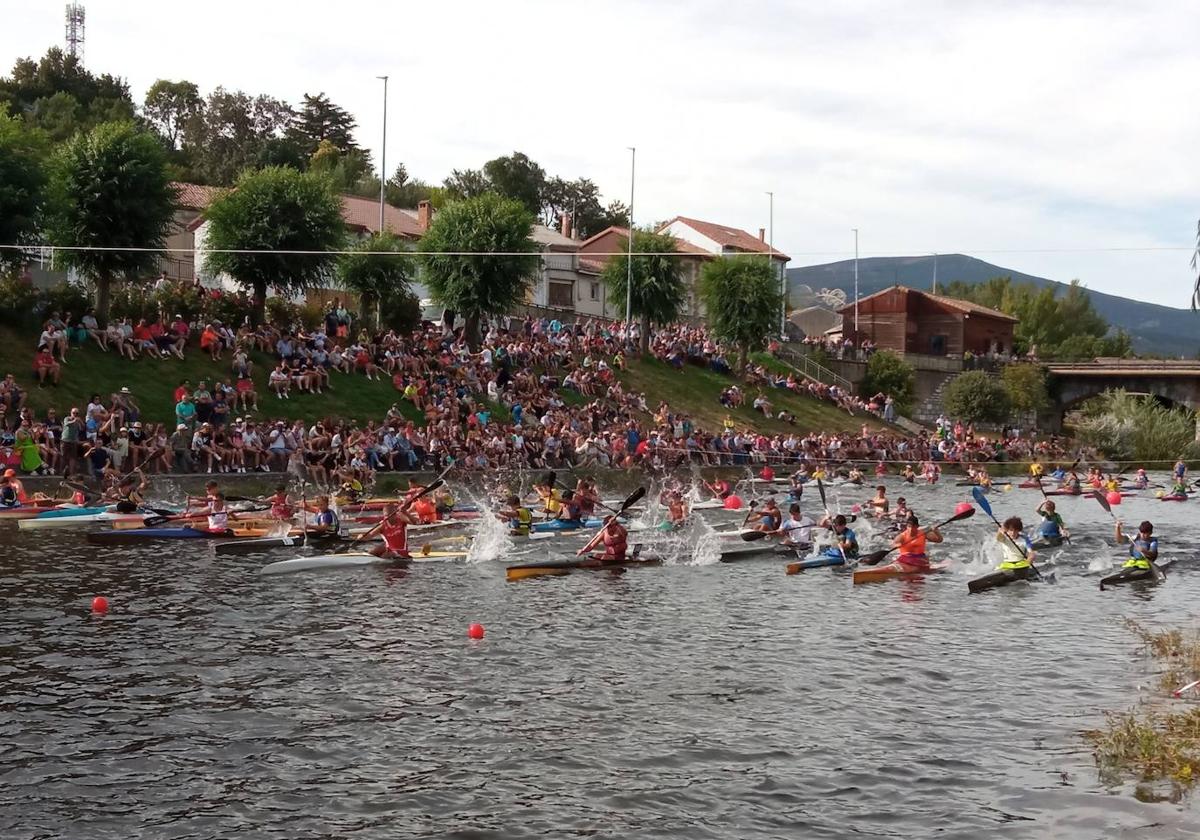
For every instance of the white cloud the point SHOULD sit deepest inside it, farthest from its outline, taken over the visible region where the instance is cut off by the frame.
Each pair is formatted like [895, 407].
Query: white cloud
[932, 126]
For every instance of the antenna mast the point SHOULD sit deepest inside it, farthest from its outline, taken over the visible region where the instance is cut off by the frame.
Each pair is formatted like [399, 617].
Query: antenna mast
[75, 27]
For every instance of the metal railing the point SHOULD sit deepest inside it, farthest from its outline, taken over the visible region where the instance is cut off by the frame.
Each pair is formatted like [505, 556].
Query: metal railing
[806, 365]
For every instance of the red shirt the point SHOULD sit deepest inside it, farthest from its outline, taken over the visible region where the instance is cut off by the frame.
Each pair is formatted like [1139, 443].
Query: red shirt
[44, 358]
[181, 392]
[242, 386]
[395, 536]
[141, 332]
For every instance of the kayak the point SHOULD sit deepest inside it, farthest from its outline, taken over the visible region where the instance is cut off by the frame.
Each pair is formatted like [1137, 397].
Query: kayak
[104, 516]
[54, 513]
[558, 568]
[733, 553]
[1029, 485]
[350, 559]
[566, 525]
[1060, 492]
[149, 534]
[1000, 578]
[882, 573]
[709, 504]
[1042, 543]
[21, 512]
[1174, 497]
[821, 561]
[249, 545]
[1134, 575]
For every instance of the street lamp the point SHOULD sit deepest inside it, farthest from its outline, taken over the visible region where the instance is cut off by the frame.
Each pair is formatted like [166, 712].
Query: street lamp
[771, 263]
[629, 277]
[383, 156]
[855, 284]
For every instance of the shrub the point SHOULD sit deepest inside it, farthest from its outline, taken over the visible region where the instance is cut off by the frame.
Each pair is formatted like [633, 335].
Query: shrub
[64, 298]
[887, 373]
[18, 300]
[1026, 387]
[1135, 428]
[976, 397]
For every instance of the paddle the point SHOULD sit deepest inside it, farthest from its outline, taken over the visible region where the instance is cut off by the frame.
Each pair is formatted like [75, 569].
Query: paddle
[982, 501]
[630, 501]
[429, 488]
[304, 514]
[874, 557]
[825, 507]
[1099, 497]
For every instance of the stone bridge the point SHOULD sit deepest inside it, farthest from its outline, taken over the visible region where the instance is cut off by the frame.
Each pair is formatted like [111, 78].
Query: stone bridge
[1172, 381]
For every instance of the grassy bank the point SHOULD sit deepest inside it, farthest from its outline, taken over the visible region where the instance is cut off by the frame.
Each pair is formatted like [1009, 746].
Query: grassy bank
[1157, 745]
[91, 371]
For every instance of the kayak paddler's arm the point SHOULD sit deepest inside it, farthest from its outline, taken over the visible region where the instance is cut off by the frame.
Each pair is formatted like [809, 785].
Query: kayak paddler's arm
[1119, 533]
[934, 535]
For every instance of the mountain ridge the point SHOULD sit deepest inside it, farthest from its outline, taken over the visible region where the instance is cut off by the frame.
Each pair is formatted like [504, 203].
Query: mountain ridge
[1156, 329]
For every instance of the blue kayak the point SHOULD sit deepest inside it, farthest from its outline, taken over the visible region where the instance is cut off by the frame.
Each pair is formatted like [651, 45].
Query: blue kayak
[143, 534]
[825, 558]
[566, 525]
[58, 513]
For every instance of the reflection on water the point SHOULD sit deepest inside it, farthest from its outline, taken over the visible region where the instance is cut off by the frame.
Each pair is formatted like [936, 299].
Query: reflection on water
[711, 701]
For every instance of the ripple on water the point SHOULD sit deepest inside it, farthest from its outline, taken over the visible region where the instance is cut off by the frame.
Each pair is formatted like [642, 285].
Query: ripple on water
[691, 701]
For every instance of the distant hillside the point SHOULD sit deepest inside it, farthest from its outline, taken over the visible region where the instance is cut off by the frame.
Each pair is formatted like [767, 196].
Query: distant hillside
[1156, 329]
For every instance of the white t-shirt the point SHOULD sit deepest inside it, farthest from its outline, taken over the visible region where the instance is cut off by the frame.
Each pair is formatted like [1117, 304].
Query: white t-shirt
[798, 531]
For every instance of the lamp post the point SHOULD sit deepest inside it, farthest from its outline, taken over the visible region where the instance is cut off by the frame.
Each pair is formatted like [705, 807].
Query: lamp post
[383, 156]
[629, 277]
[771, 263]
[855, 285]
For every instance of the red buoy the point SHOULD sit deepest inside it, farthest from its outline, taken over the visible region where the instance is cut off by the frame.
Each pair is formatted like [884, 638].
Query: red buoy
[962, 507]
[1114, 498]
[475, 631]
[99, 604]
[733, 503]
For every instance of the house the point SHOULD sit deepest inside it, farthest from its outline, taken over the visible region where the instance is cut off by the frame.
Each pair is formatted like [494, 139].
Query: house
[598, 249]
[191, 202]
[722, 241]
[906, 320]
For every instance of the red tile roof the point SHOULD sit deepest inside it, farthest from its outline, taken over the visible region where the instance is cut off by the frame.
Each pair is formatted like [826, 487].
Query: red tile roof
[728, 237]
[363, 213]
[953, 303]
[194, 196]
[681, 245]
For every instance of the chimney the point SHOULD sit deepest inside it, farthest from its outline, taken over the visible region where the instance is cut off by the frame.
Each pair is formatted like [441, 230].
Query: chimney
[424, 215]
[762, 234]
[566, 225]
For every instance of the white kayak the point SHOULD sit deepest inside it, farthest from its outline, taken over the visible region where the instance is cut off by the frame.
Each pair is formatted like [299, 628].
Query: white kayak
[348, 559]
[76, 521]
[708, 504]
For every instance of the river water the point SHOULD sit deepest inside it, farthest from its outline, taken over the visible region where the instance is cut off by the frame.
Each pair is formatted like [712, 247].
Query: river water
[689, 701]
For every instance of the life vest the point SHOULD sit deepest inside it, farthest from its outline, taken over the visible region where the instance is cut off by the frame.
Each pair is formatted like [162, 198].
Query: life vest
[615, 543]
[522, 522]
[912, 550]
[395, 536]
[1013, 558]
[425, 510]
[1138, 549]
[1051, 525]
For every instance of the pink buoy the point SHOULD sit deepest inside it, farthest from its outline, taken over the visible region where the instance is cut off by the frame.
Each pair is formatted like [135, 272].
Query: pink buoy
[733, 503]
[1114, 498]
[962, 507]
[475, 631]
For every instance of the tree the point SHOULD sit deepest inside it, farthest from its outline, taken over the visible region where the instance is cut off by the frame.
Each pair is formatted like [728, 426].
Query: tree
[235, 132]
[273, 212]
[466, 183]
[580, 198]
[88, 99]
[658, 289]
[1026, 387]
[741, 296]
[480, 258]
[404, 191]
[976, 397]
[320, 119]
[169, 106]
[517, 177]
[890, 375]
[22, 185]
[374, 276]
[111, 192]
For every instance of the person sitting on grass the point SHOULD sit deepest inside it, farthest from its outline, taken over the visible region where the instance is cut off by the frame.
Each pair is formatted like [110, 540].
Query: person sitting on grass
[245, 396]
[178, 333]
[210, 342]
[45, 367]
[280, 382]
[89, 327]
[202, 447]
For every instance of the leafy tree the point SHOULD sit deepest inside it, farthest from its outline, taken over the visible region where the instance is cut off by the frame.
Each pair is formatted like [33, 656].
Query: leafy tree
[1026, 387]
[319, 119]
[87, 100]
[975, 397]
[111, 191]
[374, 276]
[274, 211]
[470, 266]
[22, 185]
[517, 177]
[741, 297]
[658, 288]
[466, 183]
[1130, 427]
[890, 375]
[404, 191]
[580, 198]
[235, 132]
[169, 106]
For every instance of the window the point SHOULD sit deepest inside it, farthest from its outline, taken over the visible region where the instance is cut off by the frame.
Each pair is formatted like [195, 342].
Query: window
[560, 295]
[595, 291]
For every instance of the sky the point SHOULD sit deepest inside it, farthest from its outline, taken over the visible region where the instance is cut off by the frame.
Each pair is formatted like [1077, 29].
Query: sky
[1054, 138]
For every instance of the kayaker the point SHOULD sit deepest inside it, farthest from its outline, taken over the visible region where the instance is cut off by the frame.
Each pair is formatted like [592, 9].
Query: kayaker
[550, 499]
[281, 505]
[932, 472]
[16, 485]
[1180, 470]
[1140, 480]
[983, 479]
[770, 517]
[845, 543]
[908, 474]
[443, 501]
[677, 512]
[880, 502]
[855, 476]
[911, 542]
[615, 539]
[1051, 531]
[517, 515]
[1143, 549]
[218, 517]
[1013, 542]
[8, 493]
[587, 497]
[1179, 489]
[796, 530]
[129, 493]
[393, 528]
[900, 514]
[211, 490]
[424, 510]
[569, 509]
[720, 488]
[1036, 470]
[349, 492]
[325, 520]
[1072, 486]
[880, 469]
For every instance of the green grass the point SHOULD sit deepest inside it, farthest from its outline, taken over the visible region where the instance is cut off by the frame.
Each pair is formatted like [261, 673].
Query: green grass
[91, 371]
[696, 390]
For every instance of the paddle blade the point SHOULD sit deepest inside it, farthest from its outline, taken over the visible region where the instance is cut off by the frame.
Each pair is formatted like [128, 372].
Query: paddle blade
[821, 490]
[874, 557]
[1100, 497]
[981, 500]
[633, 498]
[958, 517]
[753, 536]
[551, 479]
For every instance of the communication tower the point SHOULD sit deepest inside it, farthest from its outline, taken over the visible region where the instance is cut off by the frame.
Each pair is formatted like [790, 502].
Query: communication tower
[75, 19]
